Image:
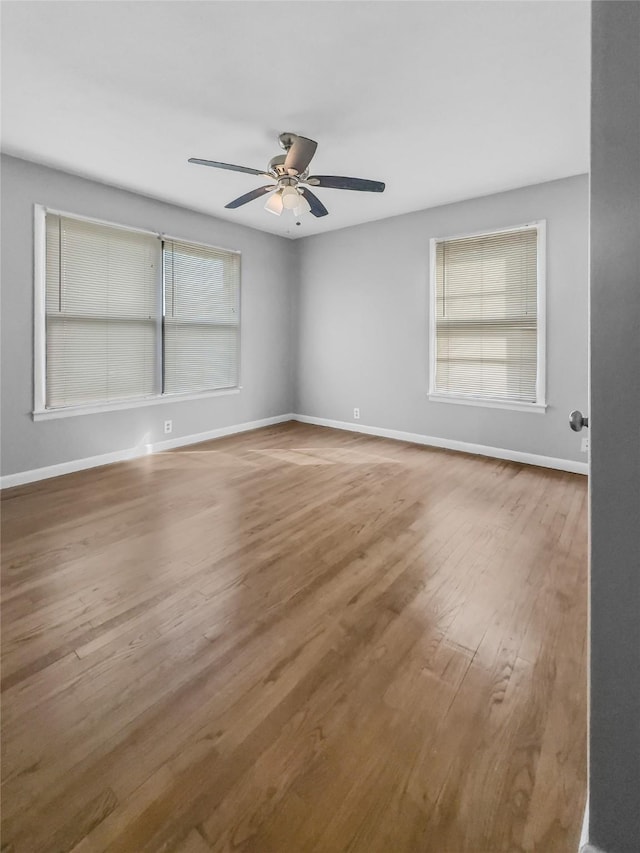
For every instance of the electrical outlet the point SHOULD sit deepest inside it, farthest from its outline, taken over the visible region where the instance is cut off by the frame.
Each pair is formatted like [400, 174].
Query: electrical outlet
[168, 427]
[584, 444]
[356, 414]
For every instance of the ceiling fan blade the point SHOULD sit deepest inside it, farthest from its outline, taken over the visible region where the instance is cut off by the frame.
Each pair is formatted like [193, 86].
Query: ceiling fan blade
[300, 154]
[317, 207]
[339, 183]
[243, 199]
[229, 166]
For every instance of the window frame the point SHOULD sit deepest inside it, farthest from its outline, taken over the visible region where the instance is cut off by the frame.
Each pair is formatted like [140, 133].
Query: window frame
[40, 410]
[459, 398]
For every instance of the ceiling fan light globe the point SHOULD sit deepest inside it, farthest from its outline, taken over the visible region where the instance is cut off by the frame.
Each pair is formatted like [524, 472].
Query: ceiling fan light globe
[302, 207]
[290, 197]
[274, 203]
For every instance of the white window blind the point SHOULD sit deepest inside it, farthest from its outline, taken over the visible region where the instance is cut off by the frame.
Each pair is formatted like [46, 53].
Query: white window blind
[202, 318]
[486, 323]
[102, 312]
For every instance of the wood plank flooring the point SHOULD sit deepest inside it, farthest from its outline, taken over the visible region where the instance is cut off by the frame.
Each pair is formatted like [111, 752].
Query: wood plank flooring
[295, 640]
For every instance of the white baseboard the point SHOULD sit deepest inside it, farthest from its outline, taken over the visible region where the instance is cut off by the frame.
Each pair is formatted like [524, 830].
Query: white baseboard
[449, 444]
[23, 477]
[170, 443]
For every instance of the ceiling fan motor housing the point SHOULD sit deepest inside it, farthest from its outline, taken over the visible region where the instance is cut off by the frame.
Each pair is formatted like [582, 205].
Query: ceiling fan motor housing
[276, 167]
[276, 164]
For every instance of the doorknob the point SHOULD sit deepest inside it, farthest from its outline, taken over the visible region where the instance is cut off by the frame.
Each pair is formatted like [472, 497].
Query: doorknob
[577, 421]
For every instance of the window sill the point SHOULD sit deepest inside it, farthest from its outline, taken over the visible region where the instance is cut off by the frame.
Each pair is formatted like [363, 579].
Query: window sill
[514, 405]
[96, 408]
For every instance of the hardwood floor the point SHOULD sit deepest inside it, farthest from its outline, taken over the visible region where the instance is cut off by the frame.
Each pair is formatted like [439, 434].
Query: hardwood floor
[295, 640]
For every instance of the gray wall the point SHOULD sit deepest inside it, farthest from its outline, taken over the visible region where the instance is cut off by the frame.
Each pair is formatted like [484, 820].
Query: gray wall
[614, 773]
[363, 321]
[266, 367]
[328, 323]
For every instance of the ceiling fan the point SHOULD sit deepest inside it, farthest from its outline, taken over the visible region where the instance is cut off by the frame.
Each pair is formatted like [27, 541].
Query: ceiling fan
[289, 174]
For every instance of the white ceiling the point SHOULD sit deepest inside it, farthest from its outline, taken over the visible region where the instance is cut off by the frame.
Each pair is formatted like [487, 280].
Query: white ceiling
[441, 100]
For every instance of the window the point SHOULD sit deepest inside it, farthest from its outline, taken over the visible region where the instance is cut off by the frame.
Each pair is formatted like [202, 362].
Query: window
[102, 312]
[202, 313]
[487, 319]
[125, 316]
